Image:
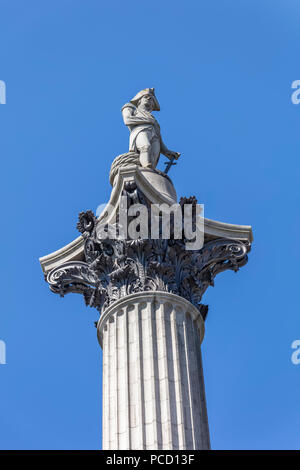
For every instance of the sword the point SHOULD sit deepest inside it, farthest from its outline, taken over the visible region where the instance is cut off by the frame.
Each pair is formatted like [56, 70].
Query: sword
[169, 164]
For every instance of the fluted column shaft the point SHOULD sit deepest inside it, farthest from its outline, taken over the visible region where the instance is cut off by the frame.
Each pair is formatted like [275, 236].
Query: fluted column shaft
[153, 387]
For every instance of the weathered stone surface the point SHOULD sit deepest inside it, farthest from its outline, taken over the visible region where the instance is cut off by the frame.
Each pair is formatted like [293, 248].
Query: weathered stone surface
[153, 387]
[213, 229]
[148, 292]
[145, 136]
[115, 268]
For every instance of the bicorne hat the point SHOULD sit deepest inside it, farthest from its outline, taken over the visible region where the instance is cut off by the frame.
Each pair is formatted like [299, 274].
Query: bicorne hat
[146, 91]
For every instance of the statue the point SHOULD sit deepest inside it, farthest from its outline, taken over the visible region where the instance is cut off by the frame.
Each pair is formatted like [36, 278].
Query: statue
[145, 137]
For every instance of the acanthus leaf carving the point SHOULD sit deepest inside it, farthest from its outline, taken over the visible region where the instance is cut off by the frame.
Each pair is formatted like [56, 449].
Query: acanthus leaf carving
[115, 268]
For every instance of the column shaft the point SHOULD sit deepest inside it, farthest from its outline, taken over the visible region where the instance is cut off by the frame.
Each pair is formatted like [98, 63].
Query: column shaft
[153, 387]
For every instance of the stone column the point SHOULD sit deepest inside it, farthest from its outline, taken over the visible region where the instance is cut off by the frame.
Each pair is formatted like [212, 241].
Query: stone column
[148, 293]
[153, 387]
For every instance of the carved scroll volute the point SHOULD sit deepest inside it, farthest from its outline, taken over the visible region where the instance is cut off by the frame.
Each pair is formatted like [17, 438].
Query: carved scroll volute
[116, 268]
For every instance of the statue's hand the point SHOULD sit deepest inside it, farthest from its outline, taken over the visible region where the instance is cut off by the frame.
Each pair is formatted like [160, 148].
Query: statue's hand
[170, 154]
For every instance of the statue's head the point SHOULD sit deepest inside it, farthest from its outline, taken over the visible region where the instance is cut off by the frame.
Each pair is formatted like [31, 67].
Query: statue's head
[146, 102]
[147, 99]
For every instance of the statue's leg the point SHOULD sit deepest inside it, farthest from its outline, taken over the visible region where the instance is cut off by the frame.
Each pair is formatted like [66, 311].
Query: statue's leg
[143, 145]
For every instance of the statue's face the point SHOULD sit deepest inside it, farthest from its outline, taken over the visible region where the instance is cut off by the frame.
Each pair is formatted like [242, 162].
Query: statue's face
[147, 102]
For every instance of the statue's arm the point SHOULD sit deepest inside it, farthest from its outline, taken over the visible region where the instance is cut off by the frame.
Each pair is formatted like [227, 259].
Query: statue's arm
[163, 147]
[130, 119]
[168, 153]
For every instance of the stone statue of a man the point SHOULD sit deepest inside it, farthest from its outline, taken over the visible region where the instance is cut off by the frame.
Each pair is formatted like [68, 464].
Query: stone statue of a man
[145, 137]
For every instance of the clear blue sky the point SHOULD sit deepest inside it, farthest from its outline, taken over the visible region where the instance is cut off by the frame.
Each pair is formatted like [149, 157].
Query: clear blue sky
[222, 71]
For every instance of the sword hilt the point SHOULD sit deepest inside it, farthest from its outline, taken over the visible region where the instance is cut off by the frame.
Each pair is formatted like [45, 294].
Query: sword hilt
[169, 164]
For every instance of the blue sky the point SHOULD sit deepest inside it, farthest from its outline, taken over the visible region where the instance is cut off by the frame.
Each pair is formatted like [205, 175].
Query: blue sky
[223, 72]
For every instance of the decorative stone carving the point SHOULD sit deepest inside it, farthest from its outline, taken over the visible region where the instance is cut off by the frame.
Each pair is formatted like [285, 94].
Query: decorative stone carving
[115, 268]
[126, 159]
[148, 292]
[158, 190]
